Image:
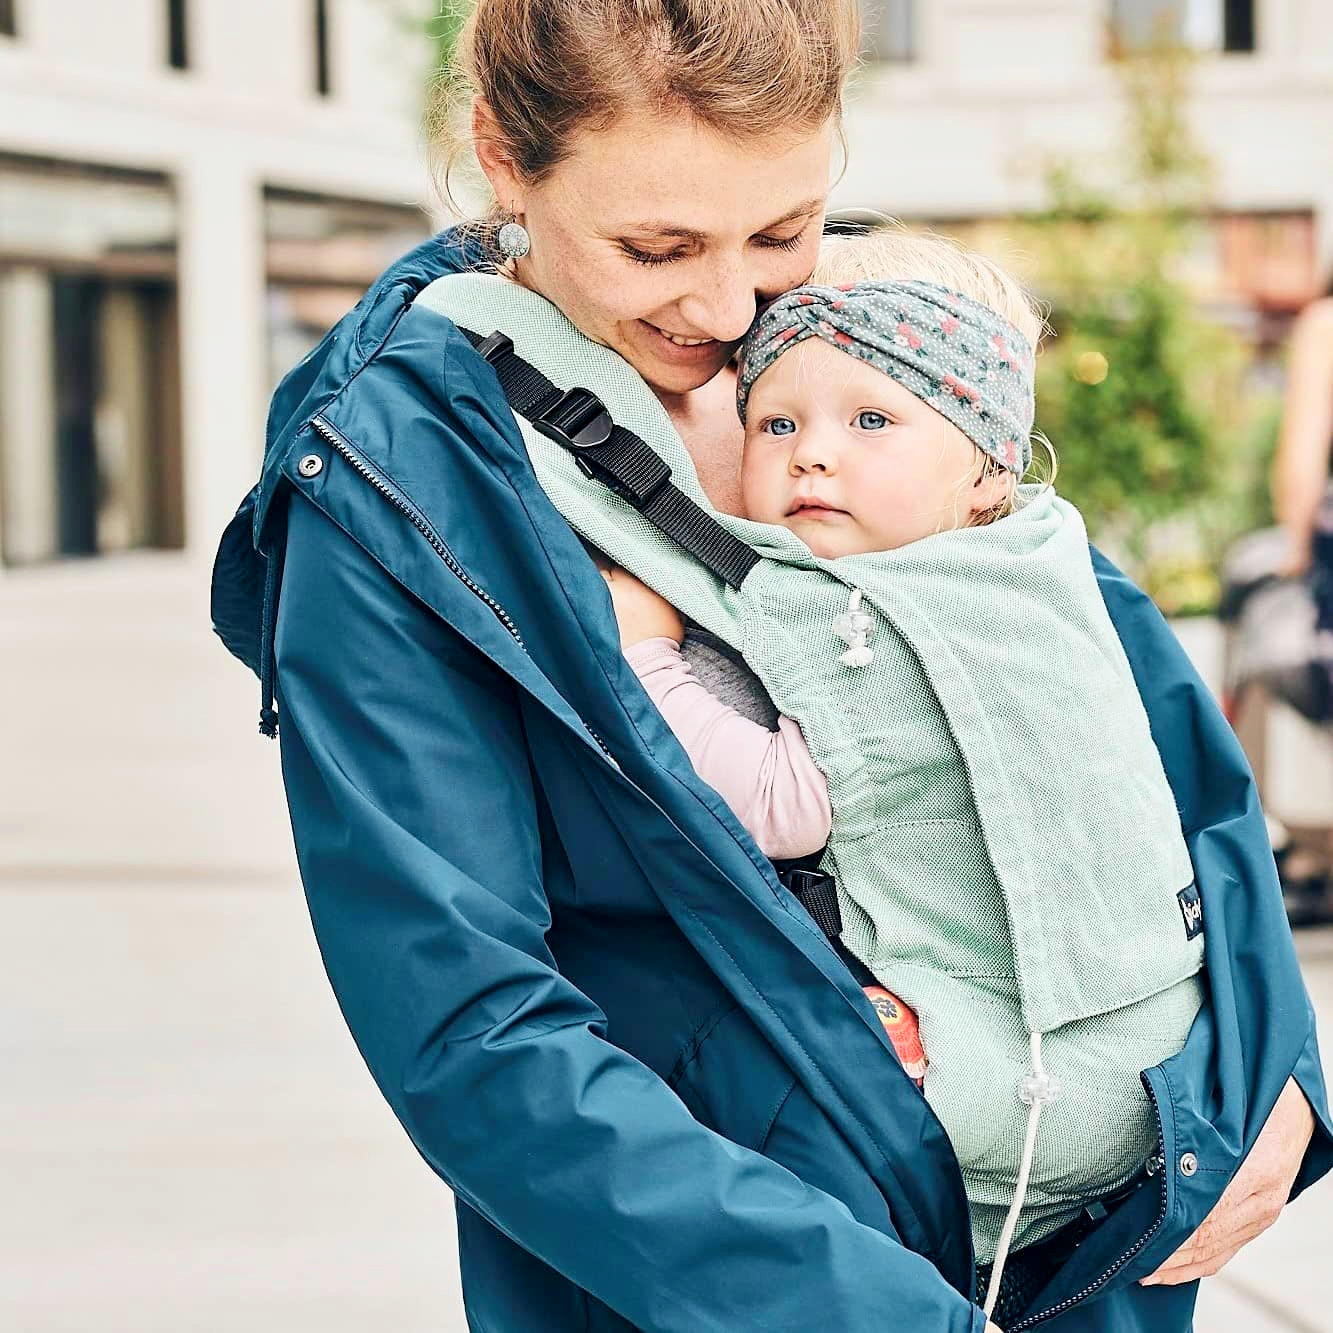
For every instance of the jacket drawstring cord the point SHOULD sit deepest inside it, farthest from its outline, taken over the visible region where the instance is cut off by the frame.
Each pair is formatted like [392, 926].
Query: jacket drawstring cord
[1037, 1090]
[268, 715]
[853, 628]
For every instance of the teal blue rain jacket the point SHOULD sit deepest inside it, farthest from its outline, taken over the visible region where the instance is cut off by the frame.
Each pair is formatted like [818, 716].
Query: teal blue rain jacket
[659, 1097]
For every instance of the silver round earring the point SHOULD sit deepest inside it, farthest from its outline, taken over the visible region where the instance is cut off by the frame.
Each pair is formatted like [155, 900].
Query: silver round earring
[512, 240]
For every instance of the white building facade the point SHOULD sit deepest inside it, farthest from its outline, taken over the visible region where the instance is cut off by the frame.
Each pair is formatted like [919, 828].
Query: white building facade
[189, 190]
[975, 95]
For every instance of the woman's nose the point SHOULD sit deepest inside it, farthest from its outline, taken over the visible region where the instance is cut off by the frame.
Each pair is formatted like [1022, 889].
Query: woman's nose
[724, 302]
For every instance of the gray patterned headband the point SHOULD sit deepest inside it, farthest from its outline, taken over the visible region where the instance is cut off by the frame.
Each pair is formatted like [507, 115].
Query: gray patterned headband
[952, 352]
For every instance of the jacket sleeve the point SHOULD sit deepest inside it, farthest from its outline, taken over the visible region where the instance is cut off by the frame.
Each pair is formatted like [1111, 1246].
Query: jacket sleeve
[413, 810]
[1254, 975]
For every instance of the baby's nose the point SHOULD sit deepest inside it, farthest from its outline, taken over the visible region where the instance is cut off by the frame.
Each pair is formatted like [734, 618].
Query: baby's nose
[813, 456]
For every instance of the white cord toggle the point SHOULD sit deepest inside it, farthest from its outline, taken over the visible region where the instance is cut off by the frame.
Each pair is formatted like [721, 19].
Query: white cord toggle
[1036, 1090]
[1043, 1088]
[853, 628]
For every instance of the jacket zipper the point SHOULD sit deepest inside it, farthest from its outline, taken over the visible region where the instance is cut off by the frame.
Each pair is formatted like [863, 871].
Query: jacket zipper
[330, 435]
[333, 437]
[1124, 1258]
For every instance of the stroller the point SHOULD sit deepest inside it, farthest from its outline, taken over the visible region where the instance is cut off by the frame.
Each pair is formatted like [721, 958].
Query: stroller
[1278, 696]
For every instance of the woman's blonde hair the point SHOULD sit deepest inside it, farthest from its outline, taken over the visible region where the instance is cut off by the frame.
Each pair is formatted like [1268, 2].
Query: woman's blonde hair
[892, 252]
[550, 68]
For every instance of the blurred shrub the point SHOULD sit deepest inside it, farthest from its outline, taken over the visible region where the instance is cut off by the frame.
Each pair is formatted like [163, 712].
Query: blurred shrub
[1143, 395]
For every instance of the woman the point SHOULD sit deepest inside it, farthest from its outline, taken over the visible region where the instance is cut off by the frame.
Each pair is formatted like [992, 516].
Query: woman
[1301, 464]
[661, 1100]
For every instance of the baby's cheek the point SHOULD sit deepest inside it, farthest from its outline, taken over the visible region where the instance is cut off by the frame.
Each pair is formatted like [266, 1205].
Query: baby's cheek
[757, 486]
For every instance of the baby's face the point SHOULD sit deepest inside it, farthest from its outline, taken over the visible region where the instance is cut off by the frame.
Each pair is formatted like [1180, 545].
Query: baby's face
[850, 460]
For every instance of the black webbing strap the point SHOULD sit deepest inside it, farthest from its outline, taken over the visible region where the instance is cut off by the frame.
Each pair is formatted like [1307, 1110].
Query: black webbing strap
[577, 420]
[818, 894]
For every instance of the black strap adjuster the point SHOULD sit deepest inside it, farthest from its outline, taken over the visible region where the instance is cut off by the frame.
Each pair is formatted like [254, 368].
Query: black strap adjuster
[818, 894]
[577, 420]
[494, 346]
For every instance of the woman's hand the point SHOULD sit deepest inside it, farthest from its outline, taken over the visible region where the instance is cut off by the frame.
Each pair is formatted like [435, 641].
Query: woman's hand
[640, 612]
[1256, 1195]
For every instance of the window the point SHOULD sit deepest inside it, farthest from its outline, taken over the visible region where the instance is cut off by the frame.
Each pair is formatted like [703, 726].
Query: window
[889, 30]
[322, 80]
[8, 23]
[321, 255]
[178, 54]
[1238, 25]
[1200, 25]
[90, 457]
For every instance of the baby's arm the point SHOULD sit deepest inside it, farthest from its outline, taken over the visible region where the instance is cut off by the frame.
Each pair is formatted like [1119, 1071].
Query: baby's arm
[767, 777]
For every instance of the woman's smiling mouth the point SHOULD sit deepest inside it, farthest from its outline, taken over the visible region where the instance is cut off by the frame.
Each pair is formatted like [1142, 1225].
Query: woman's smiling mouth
[677, 347]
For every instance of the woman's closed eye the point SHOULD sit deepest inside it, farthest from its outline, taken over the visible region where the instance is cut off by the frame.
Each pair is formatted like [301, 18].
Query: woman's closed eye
[640, 256]
[782, 243]
[869, 419]
[779, 426]
[650, 256]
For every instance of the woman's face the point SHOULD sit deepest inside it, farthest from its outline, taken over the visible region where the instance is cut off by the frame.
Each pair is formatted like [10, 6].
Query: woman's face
[658, 238]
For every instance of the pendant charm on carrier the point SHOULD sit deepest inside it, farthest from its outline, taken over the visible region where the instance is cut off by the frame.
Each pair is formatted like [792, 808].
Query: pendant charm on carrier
[853, 628]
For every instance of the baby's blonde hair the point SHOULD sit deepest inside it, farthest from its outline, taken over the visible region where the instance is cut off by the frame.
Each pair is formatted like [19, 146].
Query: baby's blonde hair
[891, 253]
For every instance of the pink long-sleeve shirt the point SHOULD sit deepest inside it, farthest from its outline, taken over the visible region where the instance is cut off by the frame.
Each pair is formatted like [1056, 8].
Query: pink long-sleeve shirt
[768, 778]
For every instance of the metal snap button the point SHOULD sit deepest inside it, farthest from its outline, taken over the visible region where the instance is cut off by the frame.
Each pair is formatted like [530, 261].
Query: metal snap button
[1189, 1164]
[310, 466]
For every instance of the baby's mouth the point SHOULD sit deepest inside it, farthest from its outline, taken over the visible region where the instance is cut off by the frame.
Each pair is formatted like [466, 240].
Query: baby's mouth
[811, 507]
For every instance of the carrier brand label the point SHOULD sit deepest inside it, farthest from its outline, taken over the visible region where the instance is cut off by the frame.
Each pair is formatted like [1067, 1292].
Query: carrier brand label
[1191, 908]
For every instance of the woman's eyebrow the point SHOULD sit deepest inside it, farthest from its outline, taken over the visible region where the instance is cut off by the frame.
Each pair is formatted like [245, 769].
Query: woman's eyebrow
[676, 232]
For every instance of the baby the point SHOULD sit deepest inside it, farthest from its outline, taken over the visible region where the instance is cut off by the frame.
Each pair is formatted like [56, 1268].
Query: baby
[887, 406]
[851, 460]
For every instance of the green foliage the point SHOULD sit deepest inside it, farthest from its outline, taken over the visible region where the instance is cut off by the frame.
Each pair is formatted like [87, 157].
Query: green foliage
[1139, 391]
[439, 22]
[442, 29]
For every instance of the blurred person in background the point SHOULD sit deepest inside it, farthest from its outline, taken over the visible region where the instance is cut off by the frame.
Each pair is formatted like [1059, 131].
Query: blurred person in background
[1302, 492]
[661, 1100]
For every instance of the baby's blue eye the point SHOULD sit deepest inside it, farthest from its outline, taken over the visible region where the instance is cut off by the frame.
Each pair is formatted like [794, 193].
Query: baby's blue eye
[780, 426]
[871, 420]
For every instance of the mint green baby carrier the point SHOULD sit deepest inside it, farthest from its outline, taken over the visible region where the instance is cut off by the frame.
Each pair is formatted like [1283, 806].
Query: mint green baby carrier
[1008, 855]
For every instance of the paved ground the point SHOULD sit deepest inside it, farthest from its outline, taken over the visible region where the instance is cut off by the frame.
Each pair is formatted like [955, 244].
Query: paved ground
[188, 1139]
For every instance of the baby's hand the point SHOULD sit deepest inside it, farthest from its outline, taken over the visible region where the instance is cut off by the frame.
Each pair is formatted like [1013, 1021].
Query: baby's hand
[640, 612]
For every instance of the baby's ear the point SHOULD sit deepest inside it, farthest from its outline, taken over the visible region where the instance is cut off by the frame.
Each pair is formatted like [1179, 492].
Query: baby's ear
[992, 488]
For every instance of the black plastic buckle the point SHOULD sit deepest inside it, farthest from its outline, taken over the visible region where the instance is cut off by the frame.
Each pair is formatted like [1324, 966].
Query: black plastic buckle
[577, 420]
[804, 882]
[494, 346]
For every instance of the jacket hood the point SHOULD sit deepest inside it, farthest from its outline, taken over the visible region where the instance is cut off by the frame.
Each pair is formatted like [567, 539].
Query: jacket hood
[248, 562]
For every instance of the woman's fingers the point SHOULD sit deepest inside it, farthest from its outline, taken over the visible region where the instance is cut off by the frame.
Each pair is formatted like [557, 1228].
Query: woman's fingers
[1253, 1200]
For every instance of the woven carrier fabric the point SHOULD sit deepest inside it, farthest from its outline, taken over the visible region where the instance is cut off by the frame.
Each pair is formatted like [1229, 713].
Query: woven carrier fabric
[1006, 847]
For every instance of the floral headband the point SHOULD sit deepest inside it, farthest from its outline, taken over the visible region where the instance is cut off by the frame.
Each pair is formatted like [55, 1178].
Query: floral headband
[955, 354]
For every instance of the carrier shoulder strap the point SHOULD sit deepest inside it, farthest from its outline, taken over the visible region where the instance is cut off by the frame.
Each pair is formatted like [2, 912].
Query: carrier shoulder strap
[577, 420]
